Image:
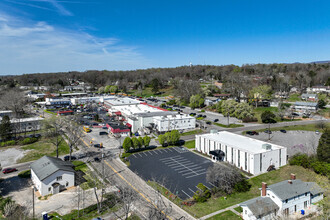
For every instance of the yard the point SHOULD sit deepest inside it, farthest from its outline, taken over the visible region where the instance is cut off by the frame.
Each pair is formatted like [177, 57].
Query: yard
[90, 179]
[41, 148]
[308, 127]
[198, 131]
[147, 92]
[215, 204]
[225, 215]
[190, 144]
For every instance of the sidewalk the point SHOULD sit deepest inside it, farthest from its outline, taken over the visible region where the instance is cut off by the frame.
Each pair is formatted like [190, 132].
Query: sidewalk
[231, 208]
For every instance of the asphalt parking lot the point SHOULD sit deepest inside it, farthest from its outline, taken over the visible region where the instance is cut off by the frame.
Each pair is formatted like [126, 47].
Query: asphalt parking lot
[176, 168]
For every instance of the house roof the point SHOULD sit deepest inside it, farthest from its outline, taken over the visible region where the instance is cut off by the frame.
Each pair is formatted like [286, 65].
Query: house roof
[46, 166]
[312, 104]
[309, 95]
[260, 206]
[285, 190]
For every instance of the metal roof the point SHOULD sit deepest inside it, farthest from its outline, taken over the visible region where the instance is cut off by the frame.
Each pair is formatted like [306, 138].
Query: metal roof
[46, 166]
[260, 206]
[312, 104]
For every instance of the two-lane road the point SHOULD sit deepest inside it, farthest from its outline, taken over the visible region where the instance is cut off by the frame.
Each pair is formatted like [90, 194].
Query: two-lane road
[20, 167]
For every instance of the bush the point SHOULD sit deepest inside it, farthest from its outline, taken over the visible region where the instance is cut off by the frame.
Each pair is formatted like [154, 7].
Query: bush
[202, 110]
[202, 194]
[29, 140]
[249, 119]
[8, 143]
[242, 186]
[311, 162]
[25, 174]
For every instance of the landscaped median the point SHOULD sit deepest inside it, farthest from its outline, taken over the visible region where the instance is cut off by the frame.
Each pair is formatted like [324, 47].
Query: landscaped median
[217, 203]
[228, 126]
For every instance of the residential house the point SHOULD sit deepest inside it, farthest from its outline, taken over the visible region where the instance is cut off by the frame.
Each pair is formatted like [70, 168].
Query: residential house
[306, 106]
[319, 89]
[51, 175]
[282, 199]
[309, 97]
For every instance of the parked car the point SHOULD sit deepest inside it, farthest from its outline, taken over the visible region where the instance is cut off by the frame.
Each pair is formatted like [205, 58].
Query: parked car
[268, 131]
[208, 122]
[250, 132]
[204, 116]
[216, 120]
[67, 158]
[96, 159]
[317, 132]
[9, 170]
[103, 133]
[98, 146]
[283, 131]
[180, 142]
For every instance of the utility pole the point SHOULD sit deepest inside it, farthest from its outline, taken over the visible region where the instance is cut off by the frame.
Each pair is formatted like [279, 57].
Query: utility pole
[33, 213]
[228, 118]
[268, 131]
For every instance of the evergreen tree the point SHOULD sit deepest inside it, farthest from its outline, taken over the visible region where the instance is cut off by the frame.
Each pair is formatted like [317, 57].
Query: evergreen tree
[5, 128]
[323, 150]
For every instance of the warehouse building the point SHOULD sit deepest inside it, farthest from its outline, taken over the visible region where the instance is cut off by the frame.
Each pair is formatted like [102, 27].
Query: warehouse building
[251, 155]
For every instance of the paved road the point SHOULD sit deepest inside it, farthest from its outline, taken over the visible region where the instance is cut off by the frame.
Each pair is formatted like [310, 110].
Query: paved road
[259, 126]
[20, 167]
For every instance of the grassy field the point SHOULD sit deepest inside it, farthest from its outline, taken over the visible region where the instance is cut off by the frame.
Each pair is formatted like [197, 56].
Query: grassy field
[239, 209]
[227, 215]
[259, 110]
[228, 126]
[198, 131]
[190, 144]
[41, 148]
[215, 204]
[294, 98]
[91, 181]
[325, 112]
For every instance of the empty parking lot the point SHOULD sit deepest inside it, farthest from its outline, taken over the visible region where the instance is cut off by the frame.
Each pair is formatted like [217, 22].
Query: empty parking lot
[178, 169]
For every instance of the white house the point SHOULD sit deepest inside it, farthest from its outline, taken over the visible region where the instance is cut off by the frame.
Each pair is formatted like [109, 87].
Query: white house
[318, 89]
[306, 106]
[25, 124]
[251, 155]
[309, 97]
[282, 199]
[51, 175]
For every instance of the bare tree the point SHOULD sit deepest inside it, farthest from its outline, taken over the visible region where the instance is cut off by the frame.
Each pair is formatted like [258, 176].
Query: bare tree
[127, 196]
[74, 133]
[13, 99]
[223, 176]
[53, 127]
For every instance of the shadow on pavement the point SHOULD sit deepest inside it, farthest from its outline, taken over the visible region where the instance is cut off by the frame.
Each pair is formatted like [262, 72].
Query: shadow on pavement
[14, 184]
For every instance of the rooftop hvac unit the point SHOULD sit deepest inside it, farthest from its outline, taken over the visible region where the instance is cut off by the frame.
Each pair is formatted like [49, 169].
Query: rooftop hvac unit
[266, 146]
[213, 131]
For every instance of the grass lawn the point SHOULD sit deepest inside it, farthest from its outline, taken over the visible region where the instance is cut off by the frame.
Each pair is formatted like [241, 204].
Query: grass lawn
[190, 144]
[41, 148]
[259, 110]
[91, 181]
[198, 131]
[325, 112]
[294, 98]
[239, 209]
[225, 216]
[200, 118]
[228, 126]
[147, 92]
[215, 204]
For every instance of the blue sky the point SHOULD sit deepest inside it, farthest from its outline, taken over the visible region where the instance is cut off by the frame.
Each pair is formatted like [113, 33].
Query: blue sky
[68, 35]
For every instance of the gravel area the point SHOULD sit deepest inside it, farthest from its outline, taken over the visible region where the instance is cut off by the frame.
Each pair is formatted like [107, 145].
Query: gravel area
[10, 156]
[295, 141]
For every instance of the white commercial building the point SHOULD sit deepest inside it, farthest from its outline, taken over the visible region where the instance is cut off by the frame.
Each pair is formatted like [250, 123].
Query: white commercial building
[19, 125]
[141, 116]
[306, 106]
[51, 175]
[251, 155]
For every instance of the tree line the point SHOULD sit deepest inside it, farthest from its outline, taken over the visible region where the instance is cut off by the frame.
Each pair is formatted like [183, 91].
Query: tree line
[136, 143]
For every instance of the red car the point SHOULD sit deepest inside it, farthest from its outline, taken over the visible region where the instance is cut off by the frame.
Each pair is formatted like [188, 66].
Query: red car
[9, 170]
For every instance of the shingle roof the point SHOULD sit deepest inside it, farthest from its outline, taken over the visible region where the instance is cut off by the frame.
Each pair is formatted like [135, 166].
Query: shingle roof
[46, 166]
[284, 190]
[260, 206]
[312, 104]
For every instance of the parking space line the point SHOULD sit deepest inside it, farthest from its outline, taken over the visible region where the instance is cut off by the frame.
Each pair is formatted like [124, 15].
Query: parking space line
[144, 153]
[211, 184]
[200, 170]
[192, 169]
[169, 158]
[140, 154]
[186, 163]
[186, 193]
[165, 150]
[185, 168]
[134, 155]
[176, 161]
[155, 152]
[149, 152]
[160, 151]
[191, 190]
[195, 175]
[170, 150]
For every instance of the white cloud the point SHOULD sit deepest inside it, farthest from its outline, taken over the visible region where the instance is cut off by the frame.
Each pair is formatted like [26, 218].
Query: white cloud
[40, 47]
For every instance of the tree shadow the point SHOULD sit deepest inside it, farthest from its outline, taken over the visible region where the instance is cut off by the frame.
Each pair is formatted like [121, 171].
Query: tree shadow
[14, 184]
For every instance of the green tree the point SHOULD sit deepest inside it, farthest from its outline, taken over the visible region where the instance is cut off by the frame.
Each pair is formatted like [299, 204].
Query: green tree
[162, 139]
[321, 103]
[243, 110]
[107, 89]
[140, 140]
[261, 92]
[127, 144]
[229, 107]
[135, 142]
[5, 128]
[202, 194]
[155, 85]
[146, 141]
[101, 90]
[268, 117]
[173, 136]
[196, 101]
[114, 89]
[323, 149]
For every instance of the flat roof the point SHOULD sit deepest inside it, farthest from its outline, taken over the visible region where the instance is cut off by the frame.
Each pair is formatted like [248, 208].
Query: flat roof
[138, 109]
[122, 101]
[6, 111]
[14, 120]
[240, 142]
[174, 116]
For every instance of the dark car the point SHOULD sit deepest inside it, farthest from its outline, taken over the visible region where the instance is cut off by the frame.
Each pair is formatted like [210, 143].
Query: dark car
[204, 116]
[216, 120]
[67, 158]
[104, 127]
[9, 170]
[250, 132]
[283, 131]
[268, 131]
[98, 146]
[208, 122]
[103, 133]
[96, 159]
[180, 142]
